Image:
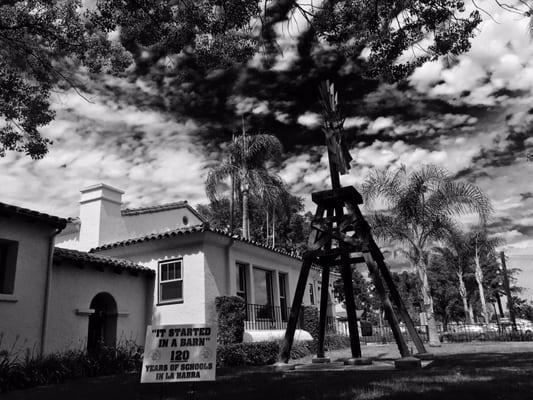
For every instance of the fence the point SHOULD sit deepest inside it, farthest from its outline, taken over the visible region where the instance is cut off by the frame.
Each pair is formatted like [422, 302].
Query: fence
[454, 332]
[266, 317]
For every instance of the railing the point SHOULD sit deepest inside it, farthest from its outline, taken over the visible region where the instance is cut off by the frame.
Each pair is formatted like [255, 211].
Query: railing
[266, 317]
[454, 332]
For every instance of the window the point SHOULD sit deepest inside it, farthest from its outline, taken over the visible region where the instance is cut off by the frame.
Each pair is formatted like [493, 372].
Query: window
[8, 263]
[283, 296]
[311, 294]
[263, 292]
[241, 281]
[171, 281]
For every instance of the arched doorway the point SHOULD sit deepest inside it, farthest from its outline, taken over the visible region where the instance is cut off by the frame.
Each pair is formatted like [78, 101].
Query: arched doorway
[103, 322]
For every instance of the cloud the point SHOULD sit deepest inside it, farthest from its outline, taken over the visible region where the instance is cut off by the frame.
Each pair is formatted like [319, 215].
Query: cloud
[146, 153]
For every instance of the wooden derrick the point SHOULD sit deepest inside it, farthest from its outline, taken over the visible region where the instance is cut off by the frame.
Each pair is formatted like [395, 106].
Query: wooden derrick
[340, 237]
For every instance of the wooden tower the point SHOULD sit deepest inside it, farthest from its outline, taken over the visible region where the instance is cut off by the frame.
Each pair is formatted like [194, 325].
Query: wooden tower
[340, 238]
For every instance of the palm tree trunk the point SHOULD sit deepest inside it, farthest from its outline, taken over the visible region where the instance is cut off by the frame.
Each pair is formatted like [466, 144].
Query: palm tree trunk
[471, 313]
[245, 217]
[428, 305]
[479, 280]
[462, 292]
[268, 228]
[231, 204]
[273, 228]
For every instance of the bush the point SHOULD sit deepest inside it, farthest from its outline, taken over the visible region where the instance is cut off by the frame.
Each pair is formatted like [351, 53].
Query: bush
[231, 312]
[247, 354]
[266, 353]
[310, 320]
[20, 373]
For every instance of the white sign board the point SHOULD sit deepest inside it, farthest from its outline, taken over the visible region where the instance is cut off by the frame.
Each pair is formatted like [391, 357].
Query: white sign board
[179, 353]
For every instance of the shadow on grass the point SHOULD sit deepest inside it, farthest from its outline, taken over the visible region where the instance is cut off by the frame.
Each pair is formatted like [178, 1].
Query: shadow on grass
[451, 377]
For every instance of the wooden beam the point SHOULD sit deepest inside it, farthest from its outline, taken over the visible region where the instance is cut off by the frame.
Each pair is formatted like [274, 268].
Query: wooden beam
[286, 346]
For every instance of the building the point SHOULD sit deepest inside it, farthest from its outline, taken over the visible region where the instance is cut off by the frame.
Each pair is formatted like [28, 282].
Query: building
[114, 271]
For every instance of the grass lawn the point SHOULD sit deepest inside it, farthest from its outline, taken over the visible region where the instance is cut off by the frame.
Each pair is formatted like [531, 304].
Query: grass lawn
[460, 371]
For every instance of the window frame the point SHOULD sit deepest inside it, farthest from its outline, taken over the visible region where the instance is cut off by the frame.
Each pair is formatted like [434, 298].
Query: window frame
[311, 294]
[243, 294]
[283, 297]
[269, 286]
[160, 282]
[8, 267]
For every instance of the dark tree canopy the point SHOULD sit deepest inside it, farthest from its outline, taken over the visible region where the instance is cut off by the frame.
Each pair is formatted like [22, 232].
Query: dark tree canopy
[41, 43]
[205, 57]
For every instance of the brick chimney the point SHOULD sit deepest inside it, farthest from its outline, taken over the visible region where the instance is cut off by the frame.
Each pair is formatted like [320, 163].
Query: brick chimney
[100, 217]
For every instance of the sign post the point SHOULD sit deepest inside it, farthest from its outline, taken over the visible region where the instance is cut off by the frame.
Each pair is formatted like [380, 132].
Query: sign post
[179, 353]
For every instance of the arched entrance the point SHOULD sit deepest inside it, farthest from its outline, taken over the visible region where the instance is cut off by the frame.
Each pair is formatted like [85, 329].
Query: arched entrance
[103, 323]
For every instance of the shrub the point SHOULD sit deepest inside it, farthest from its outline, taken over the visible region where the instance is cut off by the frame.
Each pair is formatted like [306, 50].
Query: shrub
[20, 373]
[310, 320]
[231, 312]
[247, 354]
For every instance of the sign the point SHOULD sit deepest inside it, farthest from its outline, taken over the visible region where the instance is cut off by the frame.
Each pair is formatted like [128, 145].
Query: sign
[179, 353]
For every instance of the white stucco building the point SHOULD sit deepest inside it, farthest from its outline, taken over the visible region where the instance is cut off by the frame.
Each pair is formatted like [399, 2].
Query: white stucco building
[114, 271]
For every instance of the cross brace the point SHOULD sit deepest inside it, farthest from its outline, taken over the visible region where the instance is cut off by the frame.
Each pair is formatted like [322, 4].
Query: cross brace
[341, 237]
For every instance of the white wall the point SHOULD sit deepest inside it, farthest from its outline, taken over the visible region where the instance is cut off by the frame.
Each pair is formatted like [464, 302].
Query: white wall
[21, 314]
[73, 289]
[209, 269]
[119, 228]
[192, 309]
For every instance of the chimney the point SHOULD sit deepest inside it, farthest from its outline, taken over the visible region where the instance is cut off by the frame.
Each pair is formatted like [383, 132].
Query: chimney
[100, 217]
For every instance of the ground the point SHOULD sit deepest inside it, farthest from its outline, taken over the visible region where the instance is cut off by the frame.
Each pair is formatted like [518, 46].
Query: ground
[460, 371]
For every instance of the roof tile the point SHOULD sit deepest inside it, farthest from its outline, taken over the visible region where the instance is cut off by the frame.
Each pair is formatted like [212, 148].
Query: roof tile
[35, 215]
[95, 259]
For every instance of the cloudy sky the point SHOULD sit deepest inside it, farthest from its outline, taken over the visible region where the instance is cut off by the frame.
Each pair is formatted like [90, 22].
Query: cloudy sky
[483, 134]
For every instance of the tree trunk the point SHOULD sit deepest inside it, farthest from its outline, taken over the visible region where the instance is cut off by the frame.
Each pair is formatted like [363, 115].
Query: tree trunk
[231, 205]
[479, 280]
[462, 292]
[471, 313]
[245, 217]
[428, 305]
[273, 228]
[268, 228]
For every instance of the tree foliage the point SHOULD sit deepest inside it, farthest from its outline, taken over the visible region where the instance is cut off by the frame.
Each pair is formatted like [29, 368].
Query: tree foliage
[41, 41]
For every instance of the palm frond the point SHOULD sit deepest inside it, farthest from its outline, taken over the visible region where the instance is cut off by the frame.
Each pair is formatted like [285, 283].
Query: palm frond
[458, 197]
[216, 176]
[384, 185]
[262, 148]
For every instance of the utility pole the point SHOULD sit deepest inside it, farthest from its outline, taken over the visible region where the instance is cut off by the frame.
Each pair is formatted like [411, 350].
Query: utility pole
[508, 290]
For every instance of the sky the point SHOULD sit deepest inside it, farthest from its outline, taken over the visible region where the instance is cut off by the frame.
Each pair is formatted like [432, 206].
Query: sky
[484, 135]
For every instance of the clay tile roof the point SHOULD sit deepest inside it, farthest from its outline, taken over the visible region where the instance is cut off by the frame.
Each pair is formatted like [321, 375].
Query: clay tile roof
[153, 209]
[8, 209]
[95, 259]
[191, 230]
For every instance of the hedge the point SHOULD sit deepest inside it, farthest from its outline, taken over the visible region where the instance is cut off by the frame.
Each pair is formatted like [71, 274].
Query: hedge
[231, 312]
[266, 353]
[244, 354]
[22, 373]
[310, 320]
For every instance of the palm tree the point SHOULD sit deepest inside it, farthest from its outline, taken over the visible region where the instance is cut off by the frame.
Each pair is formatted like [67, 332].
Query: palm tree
[456, 254]
[419, 212]
[481, 245]
[246, 167]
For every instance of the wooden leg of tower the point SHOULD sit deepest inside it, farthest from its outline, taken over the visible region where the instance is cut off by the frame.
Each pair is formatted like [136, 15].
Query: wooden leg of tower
[387, 306]
[346, 273]
[295, 310]
[324, 295]
[396, 298]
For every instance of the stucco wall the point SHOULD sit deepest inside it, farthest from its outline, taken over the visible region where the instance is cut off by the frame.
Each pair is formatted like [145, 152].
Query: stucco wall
[209, 267]
[143, 224]
[74, 288]
[192, 309]
[102, 223]
[21, 314]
